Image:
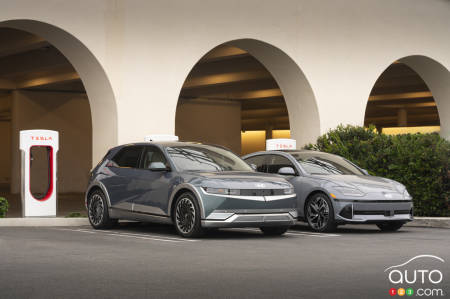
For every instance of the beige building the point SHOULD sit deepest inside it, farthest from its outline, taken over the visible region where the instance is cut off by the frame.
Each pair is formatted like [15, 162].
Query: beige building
[234, 73]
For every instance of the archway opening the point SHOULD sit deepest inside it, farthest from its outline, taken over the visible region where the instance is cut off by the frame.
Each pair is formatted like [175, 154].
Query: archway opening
[243, 92]
[50, 80]
[403, 100]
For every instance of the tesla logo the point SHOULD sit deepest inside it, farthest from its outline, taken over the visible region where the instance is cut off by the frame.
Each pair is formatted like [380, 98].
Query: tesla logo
[41, 138]
[284, 146]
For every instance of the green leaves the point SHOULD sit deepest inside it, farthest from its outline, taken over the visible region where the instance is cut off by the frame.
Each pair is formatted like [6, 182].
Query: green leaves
[419, 161]
[3, 207]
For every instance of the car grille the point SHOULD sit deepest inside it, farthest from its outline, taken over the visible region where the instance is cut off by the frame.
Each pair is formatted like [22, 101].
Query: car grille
[261, 192]
[381, 212]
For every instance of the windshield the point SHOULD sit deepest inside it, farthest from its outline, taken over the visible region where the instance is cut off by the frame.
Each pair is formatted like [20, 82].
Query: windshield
[323, 163]
[205, 158]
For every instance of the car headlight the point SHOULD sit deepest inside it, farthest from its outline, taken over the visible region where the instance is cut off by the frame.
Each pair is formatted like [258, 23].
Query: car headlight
[406, 195]
[222, 191]
[288, 191]
[348, 191]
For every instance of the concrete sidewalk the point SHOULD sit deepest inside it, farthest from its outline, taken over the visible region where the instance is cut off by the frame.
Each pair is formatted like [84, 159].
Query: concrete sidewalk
[43, 221]
[436, 222]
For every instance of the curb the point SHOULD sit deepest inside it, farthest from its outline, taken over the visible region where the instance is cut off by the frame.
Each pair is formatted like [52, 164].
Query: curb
[47, 221]
[436, 222]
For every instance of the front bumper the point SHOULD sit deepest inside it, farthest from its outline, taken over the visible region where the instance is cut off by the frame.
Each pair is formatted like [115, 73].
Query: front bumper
[248, 211]
[227, 219]
[373, 211]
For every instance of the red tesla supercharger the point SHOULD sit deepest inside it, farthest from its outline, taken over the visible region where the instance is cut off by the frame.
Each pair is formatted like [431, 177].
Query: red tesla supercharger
[39, 150]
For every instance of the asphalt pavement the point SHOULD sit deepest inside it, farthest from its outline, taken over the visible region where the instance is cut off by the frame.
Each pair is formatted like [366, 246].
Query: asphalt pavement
[152, 261]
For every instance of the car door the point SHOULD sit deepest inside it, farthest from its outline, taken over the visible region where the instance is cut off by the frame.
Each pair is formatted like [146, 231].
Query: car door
[299, 181]
[122, 171]
[156, 185]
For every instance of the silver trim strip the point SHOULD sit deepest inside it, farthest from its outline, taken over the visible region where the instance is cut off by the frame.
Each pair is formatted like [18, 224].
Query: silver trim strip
[193, 190]
[256, 198]
[278, 197]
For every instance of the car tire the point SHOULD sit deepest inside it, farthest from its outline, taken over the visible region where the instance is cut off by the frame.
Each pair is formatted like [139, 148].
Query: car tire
[274, 230]
[319, 213]
[98, 211]
[390, 226]
[187, 216]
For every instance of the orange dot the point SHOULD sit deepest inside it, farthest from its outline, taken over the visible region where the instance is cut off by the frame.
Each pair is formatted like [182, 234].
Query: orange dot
[401, 292]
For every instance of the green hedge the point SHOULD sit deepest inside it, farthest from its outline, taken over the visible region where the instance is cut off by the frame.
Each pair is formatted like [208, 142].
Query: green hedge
[419, 161]
[3, 207]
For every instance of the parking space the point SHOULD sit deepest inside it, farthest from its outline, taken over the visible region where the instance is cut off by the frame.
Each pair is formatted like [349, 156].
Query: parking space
[148, 260]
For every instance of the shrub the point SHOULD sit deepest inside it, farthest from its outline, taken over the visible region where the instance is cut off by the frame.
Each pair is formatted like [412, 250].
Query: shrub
[419, 161]
[3, 207]
[74, 215]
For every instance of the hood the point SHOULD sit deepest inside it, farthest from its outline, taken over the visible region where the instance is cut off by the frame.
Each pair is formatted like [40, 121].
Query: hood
[365, 183]
[241, 180]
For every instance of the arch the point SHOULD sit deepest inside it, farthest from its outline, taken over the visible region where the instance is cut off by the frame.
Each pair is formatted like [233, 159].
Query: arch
[436, 77]
[301, 104]
[98, 88]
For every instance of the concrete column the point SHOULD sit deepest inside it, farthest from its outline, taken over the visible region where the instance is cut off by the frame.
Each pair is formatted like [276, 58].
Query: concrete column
[402, 117]
[269, 129]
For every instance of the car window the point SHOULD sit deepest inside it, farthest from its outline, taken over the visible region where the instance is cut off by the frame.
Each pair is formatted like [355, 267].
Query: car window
[275, 162]
[205, 158]
[259, 161]
[128, 157]
[152, 154]
[324, 163]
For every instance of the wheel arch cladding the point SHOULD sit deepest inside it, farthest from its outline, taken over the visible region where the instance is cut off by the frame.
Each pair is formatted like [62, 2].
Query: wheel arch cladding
[175, 198]
[92, 190]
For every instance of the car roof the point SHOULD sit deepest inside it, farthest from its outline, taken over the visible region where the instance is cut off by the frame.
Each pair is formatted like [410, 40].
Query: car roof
[281, 152]
[169, 144]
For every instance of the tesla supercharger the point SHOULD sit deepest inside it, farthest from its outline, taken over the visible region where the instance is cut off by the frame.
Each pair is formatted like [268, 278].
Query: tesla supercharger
[39, 149]
[280, 144]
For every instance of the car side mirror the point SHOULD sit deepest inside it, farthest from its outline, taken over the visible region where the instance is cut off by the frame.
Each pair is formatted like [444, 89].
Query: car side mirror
[158, 166]
[365, 171]
[286, 171]
[254, 167]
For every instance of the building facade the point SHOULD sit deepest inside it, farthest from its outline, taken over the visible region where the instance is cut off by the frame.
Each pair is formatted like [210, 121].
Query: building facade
[121, 70]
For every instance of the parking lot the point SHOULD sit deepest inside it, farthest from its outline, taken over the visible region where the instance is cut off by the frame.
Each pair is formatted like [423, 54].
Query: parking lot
[147, 260]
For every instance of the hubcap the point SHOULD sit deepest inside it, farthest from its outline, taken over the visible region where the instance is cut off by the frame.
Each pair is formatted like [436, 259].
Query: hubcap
[96, 209]
[318, 212]
[185, 215]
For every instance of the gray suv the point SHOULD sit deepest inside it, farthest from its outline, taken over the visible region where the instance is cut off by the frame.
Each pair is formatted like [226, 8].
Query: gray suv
[193, 186]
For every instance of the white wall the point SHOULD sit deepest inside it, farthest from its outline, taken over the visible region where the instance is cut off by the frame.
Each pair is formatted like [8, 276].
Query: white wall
[64, 112]
[147, 48]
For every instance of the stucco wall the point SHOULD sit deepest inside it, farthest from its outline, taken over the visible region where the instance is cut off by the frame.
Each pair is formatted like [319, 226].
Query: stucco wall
[64, 112]
[147, 48]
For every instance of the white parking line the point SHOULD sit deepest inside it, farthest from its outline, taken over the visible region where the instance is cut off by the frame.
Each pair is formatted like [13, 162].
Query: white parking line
[314, 234]
[154, 235]
[126, 235]
[295, 233]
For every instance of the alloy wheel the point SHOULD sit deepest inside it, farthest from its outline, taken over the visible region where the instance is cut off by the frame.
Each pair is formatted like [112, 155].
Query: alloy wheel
[96, 209]
[318, 212]
[185, 215]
